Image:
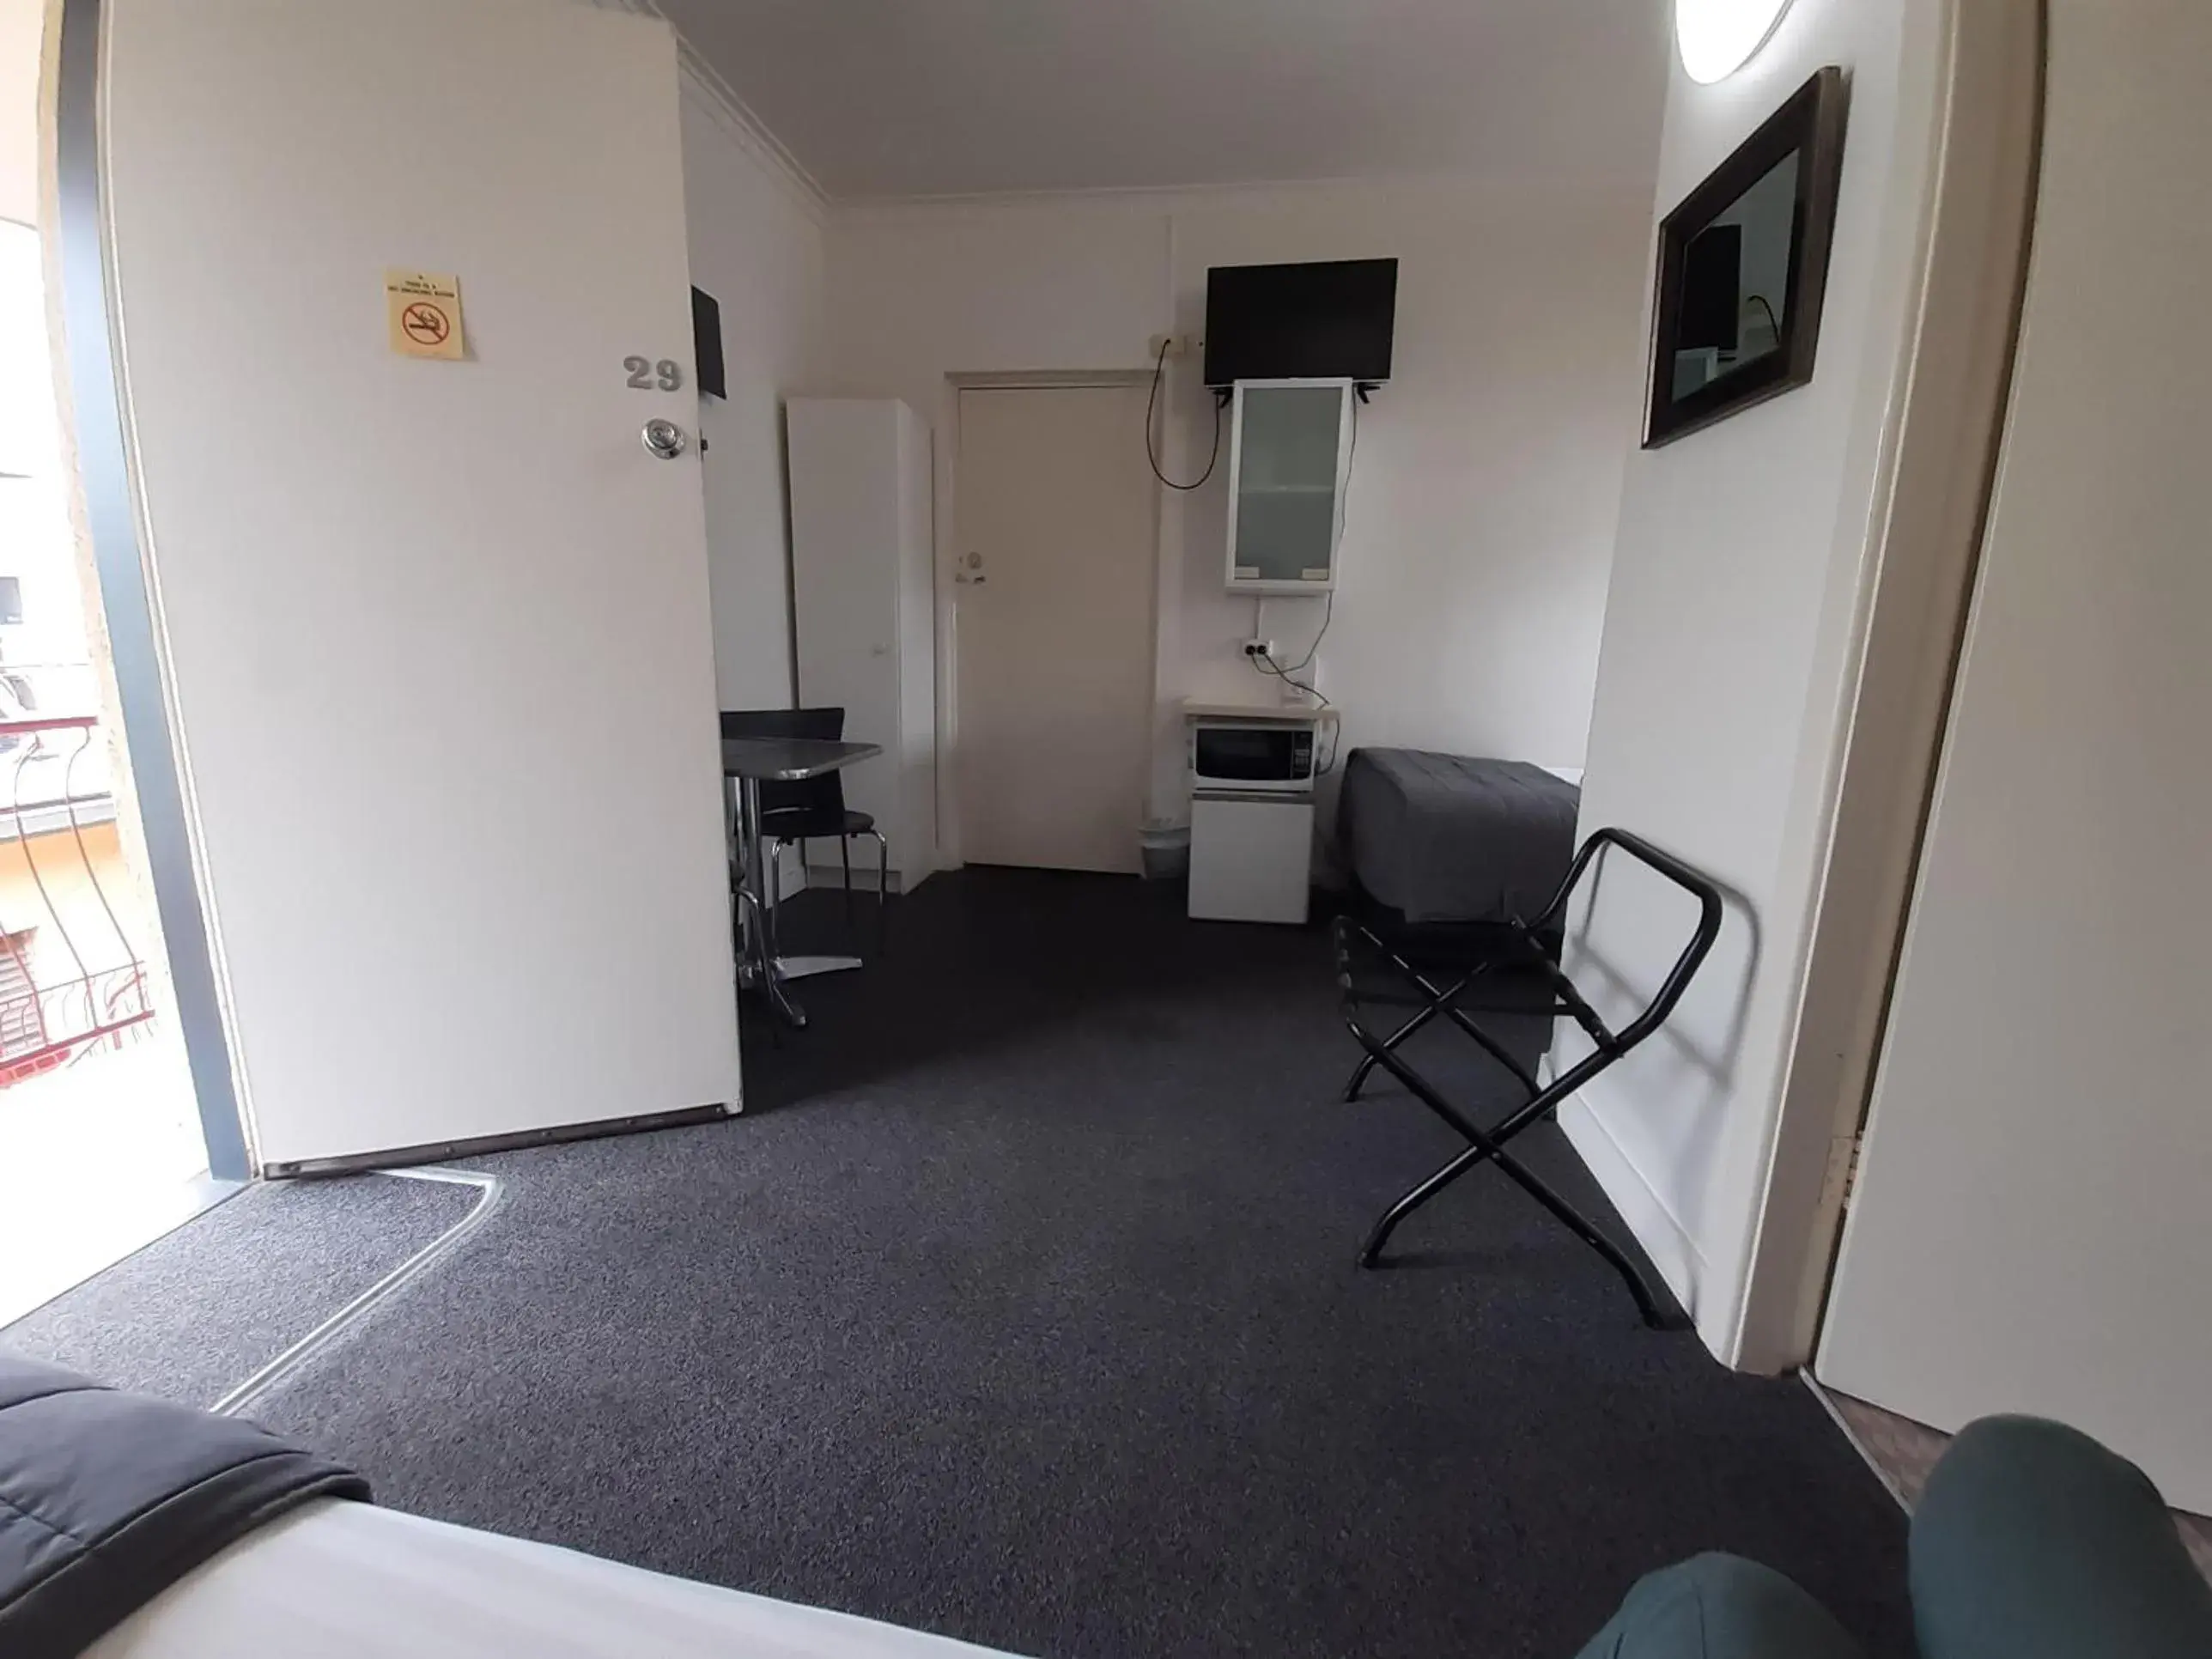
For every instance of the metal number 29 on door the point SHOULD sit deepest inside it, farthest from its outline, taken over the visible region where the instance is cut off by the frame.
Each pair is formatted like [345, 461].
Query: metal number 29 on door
[646, 375]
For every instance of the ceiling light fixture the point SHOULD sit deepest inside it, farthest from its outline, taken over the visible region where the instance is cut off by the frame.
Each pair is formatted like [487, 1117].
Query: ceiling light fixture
[1717, 38]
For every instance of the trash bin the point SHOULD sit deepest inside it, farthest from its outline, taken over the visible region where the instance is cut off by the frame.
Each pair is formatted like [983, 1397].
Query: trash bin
[1166, 846]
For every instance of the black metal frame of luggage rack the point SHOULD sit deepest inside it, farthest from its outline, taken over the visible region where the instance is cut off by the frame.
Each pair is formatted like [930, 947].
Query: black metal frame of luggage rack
[1521, 945]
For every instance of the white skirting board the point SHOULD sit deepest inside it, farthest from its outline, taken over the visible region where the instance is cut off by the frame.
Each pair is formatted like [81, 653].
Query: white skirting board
[829, 878]
[1663, 1237]
[793, 877]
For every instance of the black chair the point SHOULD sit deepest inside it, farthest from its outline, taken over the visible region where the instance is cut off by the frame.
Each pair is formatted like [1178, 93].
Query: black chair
[812, 809]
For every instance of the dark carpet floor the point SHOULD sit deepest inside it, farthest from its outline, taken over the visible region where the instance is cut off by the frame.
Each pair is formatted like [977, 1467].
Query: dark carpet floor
[1021, 1307]
[200, 1309]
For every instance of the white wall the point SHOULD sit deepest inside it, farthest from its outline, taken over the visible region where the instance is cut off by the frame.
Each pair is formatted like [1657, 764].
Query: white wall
[2030, 1230]
[1478, 538]
[1726, 677]
[757, 246]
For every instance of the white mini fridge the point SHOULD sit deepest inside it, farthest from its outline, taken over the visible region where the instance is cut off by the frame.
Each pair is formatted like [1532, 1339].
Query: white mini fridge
[1251, 856]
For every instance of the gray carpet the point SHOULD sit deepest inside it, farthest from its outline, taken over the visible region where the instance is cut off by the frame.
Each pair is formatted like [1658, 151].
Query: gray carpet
[1021, 1307]
[200, 1309]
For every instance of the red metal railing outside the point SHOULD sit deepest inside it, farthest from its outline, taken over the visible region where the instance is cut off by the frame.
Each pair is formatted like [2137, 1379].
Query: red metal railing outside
[48, 1019]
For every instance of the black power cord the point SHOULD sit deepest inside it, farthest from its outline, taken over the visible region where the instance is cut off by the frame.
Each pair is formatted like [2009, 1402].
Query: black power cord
[1152, 407]
[1328, 616]
[1267, 665]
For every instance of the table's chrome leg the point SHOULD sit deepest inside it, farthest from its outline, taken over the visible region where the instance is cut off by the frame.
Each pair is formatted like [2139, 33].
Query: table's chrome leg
[745, 901]
[807, 967]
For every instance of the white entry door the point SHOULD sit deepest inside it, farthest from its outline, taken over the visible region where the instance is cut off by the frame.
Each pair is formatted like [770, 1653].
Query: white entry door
[2029, 1231]
[1054, 566]
[437, 627]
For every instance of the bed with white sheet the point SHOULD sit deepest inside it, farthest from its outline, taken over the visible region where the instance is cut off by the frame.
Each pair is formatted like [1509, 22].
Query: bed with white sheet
[342, 1580]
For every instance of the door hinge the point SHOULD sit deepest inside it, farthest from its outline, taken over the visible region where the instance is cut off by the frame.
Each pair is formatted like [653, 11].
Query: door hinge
[1843, 1176]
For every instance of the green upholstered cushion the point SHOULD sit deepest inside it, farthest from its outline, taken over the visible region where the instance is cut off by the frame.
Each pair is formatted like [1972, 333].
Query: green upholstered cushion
[2032, 1541]
[1721, 1606]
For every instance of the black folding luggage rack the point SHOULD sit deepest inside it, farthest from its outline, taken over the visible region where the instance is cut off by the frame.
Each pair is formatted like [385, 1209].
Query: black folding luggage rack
[1523, 945]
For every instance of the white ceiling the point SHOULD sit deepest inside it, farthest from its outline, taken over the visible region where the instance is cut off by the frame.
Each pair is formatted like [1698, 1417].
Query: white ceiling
[892, 98]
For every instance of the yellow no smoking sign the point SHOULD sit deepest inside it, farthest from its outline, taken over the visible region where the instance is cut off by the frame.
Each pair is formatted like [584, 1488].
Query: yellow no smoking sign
[425, 313]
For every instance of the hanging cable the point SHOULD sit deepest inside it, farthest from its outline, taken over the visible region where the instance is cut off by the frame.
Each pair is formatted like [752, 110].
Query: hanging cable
[1335, 742]
[1328, 616]
[1267, 665]
[1152, 407]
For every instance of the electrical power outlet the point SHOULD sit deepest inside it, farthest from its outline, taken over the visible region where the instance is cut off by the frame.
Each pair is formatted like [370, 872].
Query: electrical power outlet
[1259, 647]
[1172, 345]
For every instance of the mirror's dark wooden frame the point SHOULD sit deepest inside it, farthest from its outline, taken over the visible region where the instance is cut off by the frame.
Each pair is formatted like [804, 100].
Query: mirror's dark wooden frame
[1811, 122]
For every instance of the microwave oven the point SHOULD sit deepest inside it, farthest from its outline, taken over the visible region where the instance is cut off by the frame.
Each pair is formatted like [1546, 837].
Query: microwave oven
[1252, 756]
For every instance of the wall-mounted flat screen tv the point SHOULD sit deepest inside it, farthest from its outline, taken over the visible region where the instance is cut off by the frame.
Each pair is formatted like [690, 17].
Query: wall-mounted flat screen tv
[1327, 320]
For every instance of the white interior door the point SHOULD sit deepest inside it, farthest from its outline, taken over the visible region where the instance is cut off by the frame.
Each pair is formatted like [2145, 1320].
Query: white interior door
[2029, 1230]
[1054, 565]
[437, 630]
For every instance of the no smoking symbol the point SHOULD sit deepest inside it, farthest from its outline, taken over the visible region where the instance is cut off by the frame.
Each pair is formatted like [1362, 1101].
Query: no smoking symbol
[425, 324]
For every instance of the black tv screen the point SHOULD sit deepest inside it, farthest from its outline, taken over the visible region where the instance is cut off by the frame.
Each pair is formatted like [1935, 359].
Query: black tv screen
[1328, 320]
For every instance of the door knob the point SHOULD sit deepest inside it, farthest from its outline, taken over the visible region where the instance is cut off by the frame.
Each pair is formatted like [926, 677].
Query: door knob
[664, 438]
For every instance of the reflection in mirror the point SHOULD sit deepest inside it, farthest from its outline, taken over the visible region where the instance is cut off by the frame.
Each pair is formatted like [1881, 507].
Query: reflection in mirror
[1736, 280]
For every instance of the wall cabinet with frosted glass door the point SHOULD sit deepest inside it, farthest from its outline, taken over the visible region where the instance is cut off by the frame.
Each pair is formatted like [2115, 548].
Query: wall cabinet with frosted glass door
[1290, 451]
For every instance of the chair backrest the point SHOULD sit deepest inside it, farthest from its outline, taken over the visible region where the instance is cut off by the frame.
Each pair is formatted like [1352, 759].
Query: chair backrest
[816, 800]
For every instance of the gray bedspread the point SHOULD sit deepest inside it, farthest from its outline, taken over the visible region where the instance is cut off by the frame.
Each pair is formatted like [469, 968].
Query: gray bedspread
[107, 1499]
[1443, 838]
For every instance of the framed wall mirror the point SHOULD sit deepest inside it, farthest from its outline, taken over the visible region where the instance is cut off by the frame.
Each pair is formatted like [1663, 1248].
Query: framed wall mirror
[1743, 265]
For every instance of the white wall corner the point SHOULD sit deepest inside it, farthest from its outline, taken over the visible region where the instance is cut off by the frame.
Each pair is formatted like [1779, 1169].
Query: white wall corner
[732, 113]
[1655, 1226]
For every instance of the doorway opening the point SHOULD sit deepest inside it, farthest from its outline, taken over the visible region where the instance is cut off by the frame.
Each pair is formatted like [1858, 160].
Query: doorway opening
[101, 1149]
